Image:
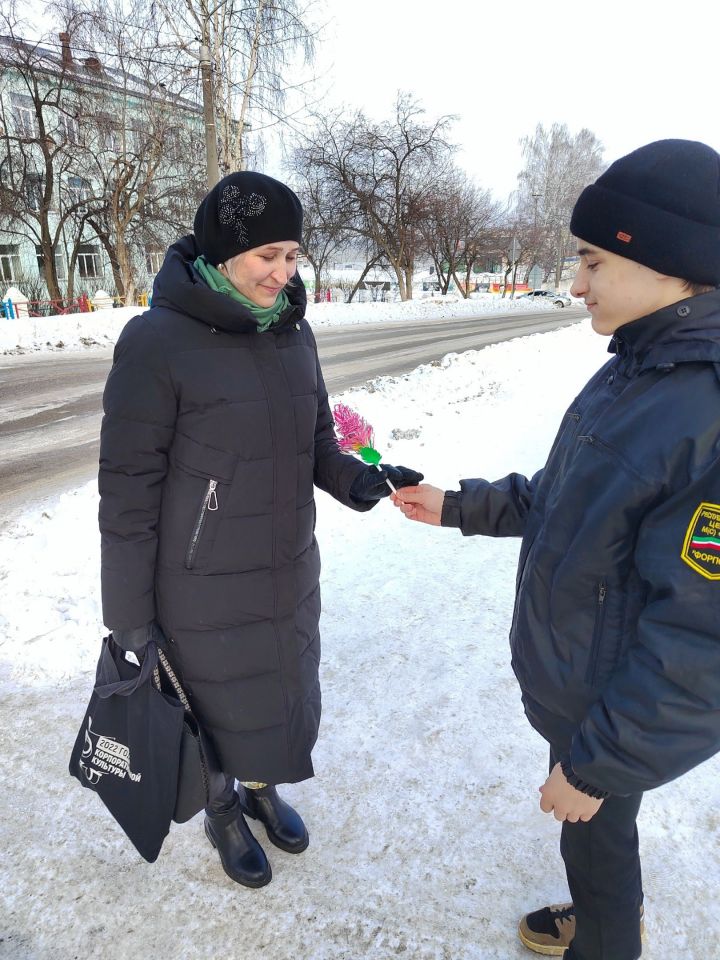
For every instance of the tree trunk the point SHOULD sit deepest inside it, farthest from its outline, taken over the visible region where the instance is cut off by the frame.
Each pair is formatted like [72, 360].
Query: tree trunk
[505, 282]
[462, 285]
[248, 85]
[468, 274]
[71, 270]
[401, 280]
[125, 271]
[443, 280]
[514, 278]
[112, 257]
[368, 267]
[409, 282]
[50, 267]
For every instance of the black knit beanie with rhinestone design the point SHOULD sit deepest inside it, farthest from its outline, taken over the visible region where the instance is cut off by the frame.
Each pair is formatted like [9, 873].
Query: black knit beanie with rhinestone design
[659, 206]
[246, 210]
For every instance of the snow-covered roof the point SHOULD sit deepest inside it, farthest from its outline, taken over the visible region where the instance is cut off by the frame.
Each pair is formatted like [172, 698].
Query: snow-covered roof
[88, 70]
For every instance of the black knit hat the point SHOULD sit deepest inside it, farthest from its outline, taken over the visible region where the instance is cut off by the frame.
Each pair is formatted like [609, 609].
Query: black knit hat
[659, 206]
[246, 210]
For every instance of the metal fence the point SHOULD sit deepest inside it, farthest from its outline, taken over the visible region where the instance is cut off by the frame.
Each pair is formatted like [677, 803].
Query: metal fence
[17, 309]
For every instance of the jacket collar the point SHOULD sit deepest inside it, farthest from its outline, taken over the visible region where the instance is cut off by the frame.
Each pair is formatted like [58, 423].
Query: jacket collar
[686, 331]
[180, 286]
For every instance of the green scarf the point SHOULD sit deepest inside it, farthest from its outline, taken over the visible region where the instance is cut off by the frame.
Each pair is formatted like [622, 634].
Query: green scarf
[265, 317]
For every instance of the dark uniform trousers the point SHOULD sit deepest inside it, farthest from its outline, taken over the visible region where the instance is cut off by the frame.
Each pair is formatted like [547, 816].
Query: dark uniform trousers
[602, 862]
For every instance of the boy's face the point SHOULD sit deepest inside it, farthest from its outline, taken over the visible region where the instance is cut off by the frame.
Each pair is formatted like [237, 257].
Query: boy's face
[617, 291]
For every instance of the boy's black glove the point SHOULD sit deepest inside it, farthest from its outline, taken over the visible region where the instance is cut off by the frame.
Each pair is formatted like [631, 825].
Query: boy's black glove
[370, 484]
[136, 639]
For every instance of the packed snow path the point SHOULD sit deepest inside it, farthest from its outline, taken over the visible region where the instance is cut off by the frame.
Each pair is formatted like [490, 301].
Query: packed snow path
[426, 837]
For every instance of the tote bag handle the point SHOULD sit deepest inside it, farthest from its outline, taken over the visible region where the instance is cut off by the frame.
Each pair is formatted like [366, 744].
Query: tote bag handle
[108, 681]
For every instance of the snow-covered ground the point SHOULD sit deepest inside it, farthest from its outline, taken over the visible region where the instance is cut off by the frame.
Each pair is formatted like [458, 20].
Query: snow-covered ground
[102, 327]
[427, 842]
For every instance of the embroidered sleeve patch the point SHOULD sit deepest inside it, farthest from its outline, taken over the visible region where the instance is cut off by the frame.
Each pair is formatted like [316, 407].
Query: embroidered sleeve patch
[701, 549]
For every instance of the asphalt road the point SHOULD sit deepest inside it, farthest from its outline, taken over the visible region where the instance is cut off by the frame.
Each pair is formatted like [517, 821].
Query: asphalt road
[51, 403]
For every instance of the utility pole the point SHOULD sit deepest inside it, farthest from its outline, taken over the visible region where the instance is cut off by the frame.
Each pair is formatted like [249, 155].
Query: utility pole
[560, 257]
[213, 173]
[536, 197]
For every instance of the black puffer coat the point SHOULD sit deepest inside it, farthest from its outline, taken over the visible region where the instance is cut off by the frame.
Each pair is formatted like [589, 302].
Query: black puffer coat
[616, 631]
[212, 439]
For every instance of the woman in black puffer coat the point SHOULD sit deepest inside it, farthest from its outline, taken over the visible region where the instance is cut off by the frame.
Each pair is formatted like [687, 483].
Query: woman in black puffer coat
[216, 429]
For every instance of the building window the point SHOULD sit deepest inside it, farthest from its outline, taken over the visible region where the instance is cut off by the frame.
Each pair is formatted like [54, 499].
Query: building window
[78, 190]
[26, 122]
[9, 263]
[69, 128]
[154, 257]
[150, 208]
[109, 134]
[88, 261]
[59, 263]
[134, 137]
[34, 189]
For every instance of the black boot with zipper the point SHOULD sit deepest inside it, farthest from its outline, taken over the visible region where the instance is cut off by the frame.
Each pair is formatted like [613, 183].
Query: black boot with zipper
[242, 857]
[283, 825]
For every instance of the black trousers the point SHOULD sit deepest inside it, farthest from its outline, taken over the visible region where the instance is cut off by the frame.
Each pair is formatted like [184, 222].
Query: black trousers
[602, 862]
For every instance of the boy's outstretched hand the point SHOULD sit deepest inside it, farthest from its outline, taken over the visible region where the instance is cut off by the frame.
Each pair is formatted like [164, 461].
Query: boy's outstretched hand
[567, 803]
[422, 503]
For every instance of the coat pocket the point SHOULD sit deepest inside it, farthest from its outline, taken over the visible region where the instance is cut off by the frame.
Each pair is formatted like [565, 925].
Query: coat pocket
[203, 461]
[209, 505]
[598, 629]
[196, 498]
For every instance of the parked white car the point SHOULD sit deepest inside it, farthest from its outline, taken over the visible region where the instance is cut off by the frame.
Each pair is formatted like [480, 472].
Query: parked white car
[559, 299]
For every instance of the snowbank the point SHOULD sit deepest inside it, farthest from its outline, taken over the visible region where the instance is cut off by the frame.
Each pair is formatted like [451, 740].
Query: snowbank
[102, 327]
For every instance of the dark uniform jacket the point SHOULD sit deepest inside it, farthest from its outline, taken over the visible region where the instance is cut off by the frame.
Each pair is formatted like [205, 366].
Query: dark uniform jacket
[616, 631]
[212, 439]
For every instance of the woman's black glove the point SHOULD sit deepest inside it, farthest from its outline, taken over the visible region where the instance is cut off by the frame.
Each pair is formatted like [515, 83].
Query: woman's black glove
[136, 639]
[370, 484]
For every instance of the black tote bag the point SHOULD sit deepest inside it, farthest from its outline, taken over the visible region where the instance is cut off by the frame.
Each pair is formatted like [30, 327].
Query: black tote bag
[128, 747]
[197, 757]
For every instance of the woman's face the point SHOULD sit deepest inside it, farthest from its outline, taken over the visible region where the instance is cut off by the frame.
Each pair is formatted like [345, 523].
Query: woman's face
[261, 273]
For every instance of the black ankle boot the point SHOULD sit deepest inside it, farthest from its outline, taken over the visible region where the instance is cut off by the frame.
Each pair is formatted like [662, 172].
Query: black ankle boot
[283, 824]
[242, 857]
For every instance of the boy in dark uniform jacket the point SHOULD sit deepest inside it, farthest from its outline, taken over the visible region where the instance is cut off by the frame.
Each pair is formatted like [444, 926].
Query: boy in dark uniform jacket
[615, 639]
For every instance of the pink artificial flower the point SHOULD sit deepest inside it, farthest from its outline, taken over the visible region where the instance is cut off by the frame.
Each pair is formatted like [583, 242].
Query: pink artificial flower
[354, 432]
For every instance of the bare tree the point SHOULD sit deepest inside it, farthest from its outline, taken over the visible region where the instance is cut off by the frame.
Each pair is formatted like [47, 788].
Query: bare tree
[143, 140]
[325, 222]
[384, 172]
[516, 240]
[458, 228]
[104, 142]
[558, 165]
[37, 128]
[254, 46]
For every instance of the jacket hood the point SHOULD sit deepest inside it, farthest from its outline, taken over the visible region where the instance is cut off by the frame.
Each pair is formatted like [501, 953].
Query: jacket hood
[684, 332]
[180, 287]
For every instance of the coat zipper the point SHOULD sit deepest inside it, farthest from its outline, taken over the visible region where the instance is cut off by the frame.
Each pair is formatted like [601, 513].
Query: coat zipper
[209, 505]
[597, 633]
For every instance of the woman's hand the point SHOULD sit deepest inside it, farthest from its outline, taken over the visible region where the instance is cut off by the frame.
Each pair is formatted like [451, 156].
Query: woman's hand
[371, 484]
[422, 503]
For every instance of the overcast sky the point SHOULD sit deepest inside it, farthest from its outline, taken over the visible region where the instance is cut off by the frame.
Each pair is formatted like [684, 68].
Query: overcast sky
[631, 71]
